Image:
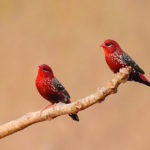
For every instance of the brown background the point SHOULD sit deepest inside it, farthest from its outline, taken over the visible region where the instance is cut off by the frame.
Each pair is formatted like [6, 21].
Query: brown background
[66, 35]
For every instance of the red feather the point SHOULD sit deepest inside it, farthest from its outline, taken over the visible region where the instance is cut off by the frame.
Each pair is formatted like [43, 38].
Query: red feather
[116, 59]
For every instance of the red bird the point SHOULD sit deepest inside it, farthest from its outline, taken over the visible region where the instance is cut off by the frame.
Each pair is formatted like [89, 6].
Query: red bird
[51, 89]
[116, 58]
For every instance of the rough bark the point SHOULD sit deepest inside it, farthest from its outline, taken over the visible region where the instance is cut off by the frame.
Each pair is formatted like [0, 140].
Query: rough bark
[53, 112]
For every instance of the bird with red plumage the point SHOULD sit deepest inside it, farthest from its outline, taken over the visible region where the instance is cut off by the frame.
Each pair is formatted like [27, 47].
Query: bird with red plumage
[116, 59]
[51, 89]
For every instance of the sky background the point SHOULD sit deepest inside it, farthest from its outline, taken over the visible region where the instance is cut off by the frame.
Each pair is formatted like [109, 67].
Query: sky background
[66, 35]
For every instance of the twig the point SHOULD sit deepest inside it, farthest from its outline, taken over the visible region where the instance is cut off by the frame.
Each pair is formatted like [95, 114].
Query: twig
[51, 113]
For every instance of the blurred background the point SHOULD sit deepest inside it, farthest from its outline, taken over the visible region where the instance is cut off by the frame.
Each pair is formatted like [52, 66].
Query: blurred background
[66, 35]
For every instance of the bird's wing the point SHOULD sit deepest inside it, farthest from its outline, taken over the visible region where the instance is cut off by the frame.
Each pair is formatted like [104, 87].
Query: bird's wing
[131, 62]
[60, 87]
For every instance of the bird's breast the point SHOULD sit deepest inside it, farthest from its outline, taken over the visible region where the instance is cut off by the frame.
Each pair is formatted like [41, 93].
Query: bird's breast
[48, 91]
[115, 62]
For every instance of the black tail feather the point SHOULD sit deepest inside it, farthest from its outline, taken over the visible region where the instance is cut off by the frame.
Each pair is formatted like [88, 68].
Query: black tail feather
[138, 77]
[74, 117]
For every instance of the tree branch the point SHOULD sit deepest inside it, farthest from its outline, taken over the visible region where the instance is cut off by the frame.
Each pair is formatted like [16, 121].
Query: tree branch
[53, 112]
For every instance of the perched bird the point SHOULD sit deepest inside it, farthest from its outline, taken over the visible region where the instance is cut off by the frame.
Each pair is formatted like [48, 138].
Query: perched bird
[116, 58]
[51, 89]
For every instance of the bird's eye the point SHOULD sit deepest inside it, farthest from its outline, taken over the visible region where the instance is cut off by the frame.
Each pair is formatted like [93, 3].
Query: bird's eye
[108, 44]
[45, 69]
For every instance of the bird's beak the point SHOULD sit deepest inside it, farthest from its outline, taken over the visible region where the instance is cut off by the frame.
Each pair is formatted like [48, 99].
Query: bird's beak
[102, 45]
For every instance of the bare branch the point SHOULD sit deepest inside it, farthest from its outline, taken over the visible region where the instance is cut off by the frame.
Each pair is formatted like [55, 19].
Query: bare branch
[53, 112]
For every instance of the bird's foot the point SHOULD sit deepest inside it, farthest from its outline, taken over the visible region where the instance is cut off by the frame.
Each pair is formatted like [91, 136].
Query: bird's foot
[44, 108]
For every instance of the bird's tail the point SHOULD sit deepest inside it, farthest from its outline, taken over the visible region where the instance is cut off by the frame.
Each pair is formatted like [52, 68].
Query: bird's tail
[74, 117]
[139, 77]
